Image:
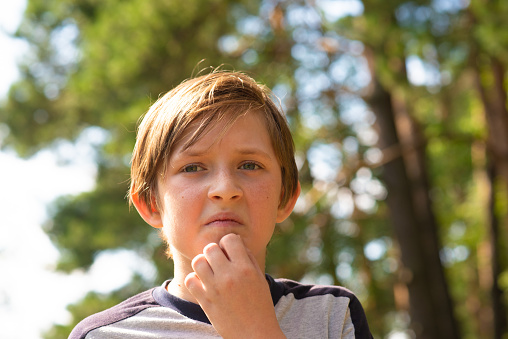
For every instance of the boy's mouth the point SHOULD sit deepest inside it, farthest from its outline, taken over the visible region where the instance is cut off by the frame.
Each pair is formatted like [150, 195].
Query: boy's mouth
[224, 220]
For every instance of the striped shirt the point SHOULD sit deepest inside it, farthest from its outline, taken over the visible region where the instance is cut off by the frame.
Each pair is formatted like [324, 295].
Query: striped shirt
[303, 311]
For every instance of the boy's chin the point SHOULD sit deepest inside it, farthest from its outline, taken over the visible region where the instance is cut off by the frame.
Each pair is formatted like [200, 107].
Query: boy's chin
[215, 234]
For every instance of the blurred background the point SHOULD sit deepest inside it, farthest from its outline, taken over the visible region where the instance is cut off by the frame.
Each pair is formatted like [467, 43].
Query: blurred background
[399, 115]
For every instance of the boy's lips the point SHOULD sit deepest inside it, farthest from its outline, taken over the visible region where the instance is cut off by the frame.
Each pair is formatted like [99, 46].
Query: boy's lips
[224, 219]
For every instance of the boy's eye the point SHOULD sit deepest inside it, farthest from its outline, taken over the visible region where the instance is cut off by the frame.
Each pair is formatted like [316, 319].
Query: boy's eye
[250, 166]
[192, 168]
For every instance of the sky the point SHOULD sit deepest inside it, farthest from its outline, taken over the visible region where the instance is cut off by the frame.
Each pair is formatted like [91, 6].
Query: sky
[32, 295]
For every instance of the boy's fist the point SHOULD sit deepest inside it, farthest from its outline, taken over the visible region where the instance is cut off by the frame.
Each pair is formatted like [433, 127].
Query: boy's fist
[233, 291]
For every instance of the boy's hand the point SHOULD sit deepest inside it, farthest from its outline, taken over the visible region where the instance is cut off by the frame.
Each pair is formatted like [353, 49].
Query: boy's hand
[233, 291]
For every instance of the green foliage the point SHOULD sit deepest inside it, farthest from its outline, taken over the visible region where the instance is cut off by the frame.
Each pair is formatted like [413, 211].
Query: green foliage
[96, 221]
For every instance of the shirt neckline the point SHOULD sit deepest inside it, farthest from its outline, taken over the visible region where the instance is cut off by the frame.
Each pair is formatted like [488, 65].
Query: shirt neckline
[194, 311]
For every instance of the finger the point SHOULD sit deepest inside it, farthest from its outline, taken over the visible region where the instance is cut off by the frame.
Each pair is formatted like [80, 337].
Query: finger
[215, 256]
[194, 285]
[234, 247]
[202, 268]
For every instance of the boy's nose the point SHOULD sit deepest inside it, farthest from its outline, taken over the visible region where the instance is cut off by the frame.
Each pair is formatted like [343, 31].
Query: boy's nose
[224, 187]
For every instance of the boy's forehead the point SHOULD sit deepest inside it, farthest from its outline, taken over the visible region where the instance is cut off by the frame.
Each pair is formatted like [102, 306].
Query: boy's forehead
[218, 124]
[197, 138]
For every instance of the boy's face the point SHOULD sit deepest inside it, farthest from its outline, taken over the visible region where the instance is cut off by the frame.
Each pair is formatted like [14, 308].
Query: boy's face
[218, 186]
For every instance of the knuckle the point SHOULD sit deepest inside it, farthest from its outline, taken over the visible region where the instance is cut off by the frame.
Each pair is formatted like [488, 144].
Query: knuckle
[198, 260]
[228, 282]
[191, 281]
[210, 248]
[230, 238]
[246, 271]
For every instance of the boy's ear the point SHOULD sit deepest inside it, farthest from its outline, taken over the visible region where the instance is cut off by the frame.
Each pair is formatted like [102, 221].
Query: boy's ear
[286, 210]
[150, 214]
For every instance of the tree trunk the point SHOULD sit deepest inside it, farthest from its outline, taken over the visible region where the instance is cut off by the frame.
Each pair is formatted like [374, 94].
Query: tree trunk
[416, 166]
[498, 307]
[496, 114]
[413, 221]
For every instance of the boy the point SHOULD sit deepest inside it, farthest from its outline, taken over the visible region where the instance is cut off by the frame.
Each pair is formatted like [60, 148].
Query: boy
[214, 169]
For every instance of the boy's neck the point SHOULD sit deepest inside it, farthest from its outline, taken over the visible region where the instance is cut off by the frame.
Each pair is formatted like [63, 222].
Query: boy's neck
[178, 289]
[177, 285]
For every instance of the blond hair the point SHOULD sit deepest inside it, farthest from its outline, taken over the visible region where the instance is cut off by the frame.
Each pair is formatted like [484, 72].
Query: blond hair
[220, 96]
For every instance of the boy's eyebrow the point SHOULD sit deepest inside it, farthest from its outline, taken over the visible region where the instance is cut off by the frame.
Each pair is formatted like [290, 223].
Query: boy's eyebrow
[253, 151]
[189, 152]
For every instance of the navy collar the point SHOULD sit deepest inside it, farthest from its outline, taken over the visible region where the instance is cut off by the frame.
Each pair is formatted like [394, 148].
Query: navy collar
[194, 311]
